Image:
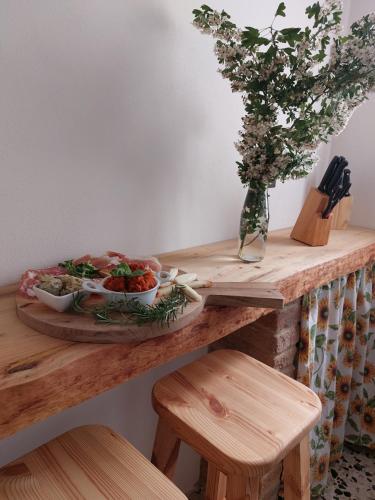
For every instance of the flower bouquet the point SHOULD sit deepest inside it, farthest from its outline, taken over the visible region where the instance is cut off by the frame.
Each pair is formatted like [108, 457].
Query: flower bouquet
[299, 85]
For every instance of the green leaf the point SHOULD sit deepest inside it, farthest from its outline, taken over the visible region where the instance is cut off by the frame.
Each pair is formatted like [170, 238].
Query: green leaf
[353, 438]
[318, 381]
[83, 270]
[334, 327]
[290, 36]
[330, 395]
[281, 10]
[290, 31]
[250, 32]
[353, 424]
[123, 269]
[366, 439]
[316, 490]
[320, 340]
[251, 37]
[313, 10]
[206, 8]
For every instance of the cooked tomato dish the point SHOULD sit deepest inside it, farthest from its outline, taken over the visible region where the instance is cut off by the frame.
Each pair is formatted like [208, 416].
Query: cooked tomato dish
[134, 284]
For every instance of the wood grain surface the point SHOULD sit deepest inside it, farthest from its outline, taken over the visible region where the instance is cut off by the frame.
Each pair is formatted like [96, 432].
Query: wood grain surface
[292, 267]
[342, 213]
[297, 472]
[236, 412]
[310, 228]
[41, 375]
[90, 463]
[83, 328]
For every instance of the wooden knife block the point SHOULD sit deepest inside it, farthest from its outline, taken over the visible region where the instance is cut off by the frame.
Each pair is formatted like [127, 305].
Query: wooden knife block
[310, 228]
[342, 213]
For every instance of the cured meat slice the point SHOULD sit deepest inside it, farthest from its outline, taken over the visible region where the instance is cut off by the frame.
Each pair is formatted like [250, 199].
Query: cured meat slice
[104, 264]
[120, 257]
[83, 260]
[98, 262]
[32, 277]
[149, 262]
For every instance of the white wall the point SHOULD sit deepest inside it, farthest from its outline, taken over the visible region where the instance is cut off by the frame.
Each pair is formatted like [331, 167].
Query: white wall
[116, 132]
[357, 142]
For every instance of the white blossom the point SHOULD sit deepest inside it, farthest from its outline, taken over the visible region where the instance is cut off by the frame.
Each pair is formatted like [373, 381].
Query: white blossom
[298, 97]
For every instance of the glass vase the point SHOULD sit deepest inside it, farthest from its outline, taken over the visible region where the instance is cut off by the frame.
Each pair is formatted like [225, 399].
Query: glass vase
[254, 226]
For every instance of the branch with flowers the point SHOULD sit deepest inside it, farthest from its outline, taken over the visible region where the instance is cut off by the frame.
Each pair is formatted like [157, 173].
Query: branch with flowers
[299, 85]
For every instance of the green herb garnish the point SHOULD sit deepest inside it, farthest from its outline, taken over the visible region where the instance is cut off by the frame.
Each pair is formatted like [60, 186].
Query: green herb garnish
[84, 270]
[123, 269]
[162, 313]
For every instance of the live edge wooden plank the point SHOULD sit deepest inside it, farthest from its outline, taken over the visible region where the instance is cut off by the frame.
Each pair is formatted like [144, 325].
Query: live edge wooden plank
[40, 375]
[290, 266]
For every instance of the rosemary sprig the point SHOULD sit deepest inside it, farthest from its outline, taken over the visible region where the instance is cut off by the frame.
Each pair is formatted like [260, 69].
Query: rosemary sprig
[126, 311]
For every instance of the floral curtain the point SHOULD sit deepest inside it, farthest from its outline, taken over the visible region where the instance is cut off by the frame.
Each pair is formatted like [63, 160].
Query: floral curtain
[337, 361]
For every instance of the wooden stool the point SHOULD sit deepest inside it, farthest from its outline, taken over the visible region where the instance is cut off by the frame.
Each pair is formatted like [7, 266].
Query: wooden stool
[243, 417]
[90, 463]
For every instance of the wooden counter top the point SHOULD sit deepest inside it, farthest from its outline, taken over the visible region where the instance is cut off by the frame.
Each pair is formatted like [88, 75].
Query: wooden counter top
[40, 375]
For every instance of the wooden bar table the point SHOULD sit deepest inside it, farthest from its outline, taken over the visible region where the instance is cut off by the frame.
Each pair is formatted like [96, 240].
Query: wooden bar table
[41, 376]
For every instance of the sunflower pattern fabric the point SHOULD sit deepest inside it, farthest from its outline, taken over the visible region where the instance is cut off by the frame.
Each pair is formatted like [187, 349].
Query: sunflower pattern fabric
[336, 359]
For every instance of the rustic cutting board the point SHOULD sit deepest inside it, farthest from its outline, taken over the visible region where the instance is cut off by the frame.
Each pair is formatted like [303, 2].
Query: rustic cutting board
[83, 328]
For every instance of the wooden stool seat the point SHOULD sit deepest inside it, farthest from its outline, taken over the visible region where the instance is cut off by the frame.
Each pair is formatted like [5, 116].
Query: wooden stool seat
[90, 462]
[239, 414]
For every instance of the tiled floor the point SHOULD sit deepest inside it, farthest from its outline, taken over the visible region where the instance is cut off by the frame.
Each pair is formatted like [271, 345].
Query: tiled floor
[352, 477]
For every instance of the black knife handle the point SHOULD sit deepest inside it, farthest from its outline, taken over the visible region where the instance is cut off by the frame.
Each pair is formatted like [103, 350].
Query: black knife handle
[328, 174]
[336, 177]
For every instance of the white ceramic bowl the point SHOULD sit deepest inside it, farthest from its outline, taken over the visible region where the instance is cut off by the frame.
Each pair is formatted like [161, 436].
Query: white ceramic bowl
[58, 303]
[145, 298]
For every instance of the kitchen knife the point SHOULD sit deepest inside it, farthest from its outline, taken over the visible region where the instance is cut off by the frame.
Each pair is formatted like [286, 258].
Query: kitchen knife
[346, 180]
[328, 174]
[336, 196]
[337, 176]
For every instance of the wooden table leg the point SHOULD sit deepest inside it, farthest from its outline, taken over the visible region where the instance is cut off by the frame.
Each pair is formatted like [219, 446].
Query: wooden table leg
[297, 472]
[166, 449]
[216, 484]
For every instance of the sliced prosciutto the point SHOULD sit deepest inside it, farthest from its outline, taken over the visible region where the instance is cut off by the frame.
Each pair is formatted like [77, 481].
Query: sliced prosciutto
[149, 262]
[32, 277]
[104, 265]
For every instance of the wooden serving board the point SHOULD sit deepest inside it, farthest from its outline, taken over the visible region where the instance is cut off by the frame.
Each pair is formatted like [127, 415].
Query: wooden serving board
[83, 328]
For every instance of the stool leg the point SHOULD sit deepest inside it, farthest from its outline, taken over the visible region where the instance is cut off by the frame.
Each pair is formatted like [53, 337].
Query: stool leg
[166, 449]
[216, 484]
[297, 472]
[243, 488]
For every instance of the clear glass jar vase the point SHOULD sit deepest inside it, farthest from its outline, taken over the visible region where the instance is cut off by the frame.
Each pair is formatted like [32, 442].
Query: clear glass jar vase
[254, 226]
